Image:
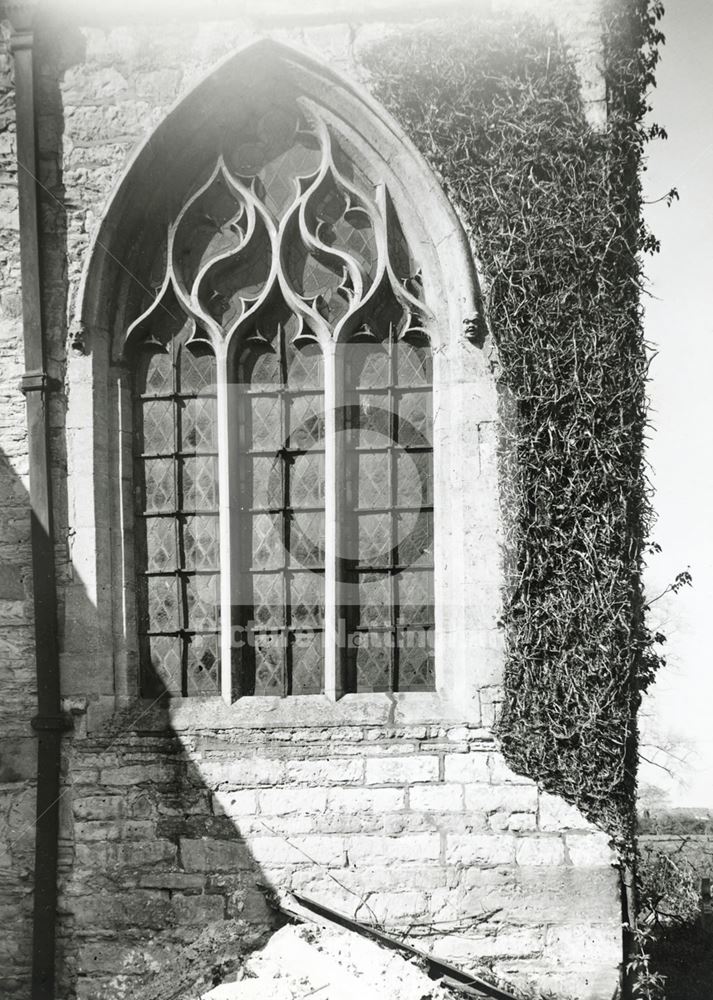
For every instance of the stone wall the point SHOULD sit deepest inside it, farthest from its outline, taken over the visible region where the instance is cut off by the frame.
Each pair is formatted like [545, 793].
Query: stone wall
[17, 668]
[422, 830]
[176, 824]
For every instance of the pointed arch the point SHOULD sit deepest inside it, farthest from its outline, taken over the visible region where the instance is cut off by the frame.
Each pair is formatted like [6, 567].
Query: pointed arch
[185, 146]
[128, 279]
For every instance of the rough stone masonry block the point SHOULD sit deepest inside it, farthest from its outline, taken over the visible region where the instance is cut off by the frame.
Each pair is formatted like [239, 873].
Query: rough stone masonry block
[298, 850]
[401, 770]
[437, 798]
[279, 801]
[365, 850]
[540, 851]
[214, 855]
[480, 849]
[589, 850]
[374, 801]
[467, 767]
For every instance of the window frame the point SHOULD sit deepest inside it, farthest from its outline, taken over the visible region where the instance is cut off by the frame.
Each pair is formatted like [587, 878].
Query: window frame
[467, 532]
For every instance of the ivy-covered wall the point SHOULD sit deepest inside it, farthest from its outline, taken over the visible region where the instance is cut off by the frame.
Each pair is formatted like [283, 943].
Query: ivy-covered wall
[551, 205]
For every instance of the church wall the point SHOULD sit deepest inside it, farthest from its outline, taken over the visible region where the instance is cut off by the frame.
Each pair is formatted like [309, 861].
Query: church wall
[174, 820]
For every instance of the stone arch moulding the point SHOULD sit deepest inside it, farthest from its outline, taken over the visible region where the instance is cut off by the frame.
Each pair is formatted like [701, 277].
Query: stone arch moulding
[119, 279]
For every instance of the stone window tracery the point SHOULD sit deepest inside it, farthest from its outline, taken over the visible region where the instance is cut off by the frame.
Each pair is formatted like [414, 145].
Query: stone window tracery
[283, 430]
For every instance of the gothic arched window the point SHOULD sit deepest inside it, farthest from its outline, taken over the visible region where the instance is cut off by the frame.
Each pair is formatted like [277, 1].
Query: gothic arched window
[283, 429]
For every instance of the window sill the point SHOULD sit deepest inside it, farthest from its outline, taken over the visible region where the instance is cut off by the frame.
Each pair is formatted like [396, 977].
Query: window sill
[181, 714]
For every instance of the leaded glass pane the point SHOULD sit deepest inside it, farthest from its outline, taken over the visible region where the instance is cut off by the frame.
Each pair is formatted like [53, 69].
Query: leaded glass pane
[200, 542]
[268, 599]
[307, 480]
[269, 650]
[162, 606]
[199, 481]
[415, 538]
[414, 424]
[160, 544]
[268, 541]
[414, 479]
[267, 474]
[307, 540]
[374, 539]
[202, 598]
[416, 665]
[373, 661]
[198, 424]
[202, 665]
[374, 599]
[267, 432]
[415, 596]
[174, 601]
[307, 599]
[306, 417]
[159, 484]
[158, 426]
[307, 651]
[197, 372]
[374, 477]
[388, 411]
[304, 367]
[164, 664]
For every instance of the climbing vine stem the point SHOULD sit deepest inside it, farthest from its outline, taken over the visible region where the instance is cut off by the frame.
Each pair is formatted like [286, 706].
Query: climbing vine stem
[551, 204]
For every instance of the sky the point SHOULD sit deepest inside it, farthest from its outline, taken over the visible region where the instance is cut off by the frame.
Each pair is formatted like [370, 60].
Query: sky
[677, 717]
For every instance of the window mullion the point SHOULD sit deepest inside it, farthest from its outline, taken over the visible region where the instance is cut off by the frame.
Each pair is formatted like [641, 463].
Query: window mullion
[227, 535]
[333, 463]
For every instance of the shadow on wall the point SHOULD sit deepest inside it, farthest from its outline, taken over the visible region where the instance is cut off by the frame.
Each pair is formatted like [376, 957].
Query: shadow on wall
[163, 894]
[18, 757]
[158, 890]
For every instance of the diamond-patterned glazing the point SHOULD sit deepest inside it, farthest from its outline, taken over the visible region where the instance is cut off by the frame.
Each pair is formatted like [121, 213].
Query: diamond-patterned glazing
[164, 673]
[268, 599]
[202, 600]
[268, 542]
[413, 364]
[307, 480]
[159, 374]
[415, 596]
[307, 599]
[265, 373]
[304, 367]
[200, 542]
[373, 419]
[162, 604]
[306, 417]
[266, 482]
[374, 599]
[374, 478]
[267, 432]
[199, 477]
[307, 651]
[307, 540]
[415, 539]
[373, 662]
[160, 544]
[269, 663]
[202, 661]
[197, 371]
[414, 478]
[160, 494]
[198, 424]
[158, 426]
[416, 665]
[374, 539]
[414, 425]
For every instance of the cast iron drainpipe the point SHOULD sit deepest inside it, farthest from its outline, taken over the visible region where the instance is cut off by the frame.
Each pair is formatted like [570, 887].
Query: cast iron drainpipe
[48, 723]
